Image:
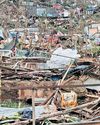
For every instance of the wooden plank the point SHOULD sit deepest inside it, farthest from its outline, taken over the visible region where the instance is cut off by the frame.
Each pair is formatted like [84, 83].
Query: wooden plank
[59, 113]
[83, 123]
[2, 2]
[33, 107]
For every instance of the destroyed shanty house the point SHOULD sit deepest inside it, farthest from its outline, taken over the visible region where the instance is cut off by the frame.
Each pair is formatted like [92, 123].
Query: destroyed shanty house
[92, 28]
[60, 98]
[49, 12]
[49, 62]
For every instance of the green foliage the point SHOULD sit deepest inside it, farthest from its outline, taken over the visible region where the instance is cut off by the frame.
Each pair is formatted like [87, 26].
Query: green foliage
[7, 124]
[95, 50]
[73, 119]
[46, 122]
[62, 29]
[11, 104]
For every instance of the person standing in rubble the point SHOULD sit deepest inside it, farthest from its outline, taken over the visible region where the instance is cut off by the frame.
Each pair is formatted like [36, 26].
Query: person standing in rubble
[53, 39]
[15, 41]
[79, 11]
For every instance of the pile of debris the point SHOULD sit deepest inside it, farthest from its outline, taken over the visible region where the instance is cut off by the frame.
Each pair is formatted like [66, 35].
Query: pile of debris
[50, 58]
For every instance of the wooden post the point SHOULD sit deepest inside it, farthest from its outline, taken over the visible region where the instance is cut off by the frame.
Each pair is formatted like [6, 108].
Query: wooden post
[0, 78]
[66, 72]
[0, 86]
[33, 106]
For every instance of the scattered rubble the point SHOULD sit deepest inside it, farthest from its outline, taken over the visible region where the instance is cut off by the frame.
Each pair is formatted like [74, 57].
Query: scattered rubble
[50, 61]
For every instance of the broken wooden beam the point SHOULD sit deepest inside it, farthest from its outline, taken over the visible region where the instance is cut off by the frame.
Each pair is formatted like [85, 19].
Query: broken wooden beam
[69, 110]
[2, 2]
[82, 123]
